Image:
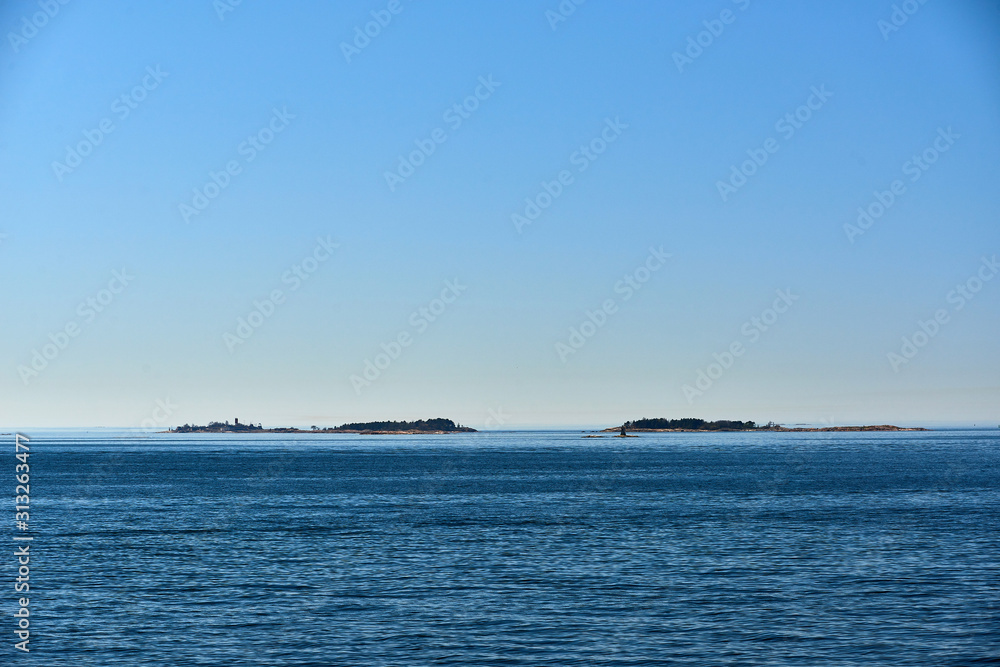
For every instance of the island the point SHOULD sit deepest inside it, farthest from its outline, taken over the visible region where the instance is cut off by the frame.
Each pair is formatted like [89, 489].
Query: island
[422, 427]
[438, 425]
[691, 425]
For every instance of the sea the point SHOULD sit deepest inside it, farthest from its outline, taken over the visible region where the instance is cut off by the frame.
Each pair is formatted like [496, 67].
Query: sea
[507, 548]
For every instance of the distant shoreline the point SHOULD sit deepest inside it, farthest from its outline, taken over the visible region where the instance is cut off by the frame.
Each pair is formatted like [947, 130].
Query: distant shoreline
[437, 426]
[327, 431]
[446, 427]
[834, 429]
[773, 429]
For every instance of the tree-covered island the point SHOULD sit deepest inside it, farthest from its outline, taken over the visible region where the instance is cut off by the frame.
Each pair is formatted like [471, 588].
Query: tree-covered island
[422, 426]
[692, 425]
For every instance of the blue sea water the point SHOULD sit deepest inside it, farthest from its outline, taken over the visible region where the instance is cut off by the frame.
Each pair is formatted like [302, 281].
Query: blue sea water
[531, 548]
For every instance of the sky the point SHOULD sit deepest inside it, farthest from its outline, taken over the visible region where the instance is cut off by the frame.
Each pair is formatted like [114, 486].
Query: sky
[514, 214]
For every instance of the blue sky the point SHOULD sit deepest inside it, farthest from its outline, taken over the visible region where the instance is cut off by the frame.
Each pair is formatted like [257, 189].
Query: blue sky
[492, 355]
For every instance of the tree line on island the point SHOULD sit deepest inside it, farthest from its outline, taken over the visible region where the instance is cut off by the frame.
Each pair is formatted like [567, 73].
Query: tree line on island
[438, 425]
[692, 424]
[441, 425]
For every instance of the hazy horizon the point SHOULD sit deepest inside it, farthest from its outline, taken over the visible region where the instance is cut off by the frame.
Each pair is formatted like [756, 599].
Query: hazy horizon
[491, 428]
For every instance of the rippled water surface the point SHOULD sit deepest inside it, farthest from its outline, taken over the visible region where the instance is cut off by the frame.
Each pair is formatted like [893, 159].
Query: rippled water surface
[513, 549]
